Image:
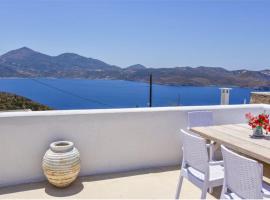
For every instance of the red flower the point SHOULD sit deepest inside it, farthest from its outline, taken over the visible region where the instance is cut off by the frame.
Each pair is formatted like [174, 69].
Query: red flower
[262, 120]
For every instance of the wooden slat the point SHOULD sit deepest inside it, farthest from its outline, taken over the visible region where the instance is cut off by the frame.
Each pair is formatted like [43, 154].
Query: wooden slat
[237, 137]
[236, 131]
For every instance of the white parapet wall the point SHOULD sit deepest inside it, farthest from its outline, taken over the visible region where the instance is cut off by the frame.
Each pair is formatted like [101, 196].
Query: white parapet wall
[110, 140]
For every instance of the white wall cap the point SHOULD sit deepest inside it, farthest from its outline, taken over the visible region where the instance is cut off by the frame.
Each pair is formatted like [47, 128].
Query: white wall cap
[127, 110]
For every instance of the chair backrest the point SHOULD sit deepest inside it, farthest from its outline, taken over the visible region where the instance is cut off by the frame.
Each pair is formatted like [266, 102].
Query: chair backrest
[243, 176]
[195, 152]
[200, 118]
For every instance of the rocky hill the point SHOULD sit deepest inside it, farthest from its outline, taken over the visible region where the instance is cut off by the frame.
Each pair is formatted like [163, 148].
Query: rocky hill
[25, 62]
[14, 102]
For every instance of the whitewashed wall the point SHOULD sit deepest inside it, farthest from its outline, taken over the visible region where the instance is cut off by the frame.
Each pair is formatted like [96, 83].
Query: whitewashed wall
[267, 108]
[108, 140]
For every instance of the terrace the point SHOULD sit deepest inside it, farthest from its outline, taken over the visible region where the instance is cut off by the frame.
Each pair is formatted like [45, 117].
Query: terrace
[125, 153]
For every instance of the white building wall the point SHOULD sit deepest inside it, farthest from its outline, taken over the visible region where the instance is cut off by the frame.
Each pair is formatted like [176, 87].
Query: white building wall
[109, 140]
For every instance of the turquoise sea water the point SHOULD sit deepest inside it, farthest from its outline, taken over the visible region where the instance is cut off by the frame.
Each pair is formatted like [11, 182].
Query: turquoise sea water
[83, 94]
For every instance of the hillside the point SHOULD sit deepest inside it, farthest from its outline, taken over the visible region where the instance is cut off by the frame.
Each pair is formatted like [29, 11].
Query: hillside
[25, 62]
[14, 102]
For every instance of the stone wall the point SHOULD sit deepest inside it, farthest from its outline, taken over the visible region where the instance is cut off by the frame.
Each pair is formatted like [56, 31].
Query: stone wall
[260, 97]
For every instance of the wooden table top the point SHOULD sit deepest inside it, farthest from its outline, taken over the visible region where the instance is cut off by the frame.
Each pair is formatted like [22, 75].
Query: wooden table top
[237, 137]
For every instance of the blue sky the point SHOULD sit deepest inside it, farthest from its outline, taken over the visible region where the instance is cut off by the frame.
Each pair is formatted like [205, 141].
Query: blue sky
[157, 33]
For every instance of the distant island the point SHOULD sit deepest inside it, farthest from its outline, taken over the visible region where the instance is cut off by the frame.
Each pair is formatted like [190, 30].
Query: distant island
[27, 63]
[9, 102]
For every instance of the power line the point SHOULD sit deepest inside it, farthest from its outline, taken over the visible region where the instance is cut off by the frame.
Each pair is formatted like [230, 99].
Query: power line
[84, 98]
[71, 94]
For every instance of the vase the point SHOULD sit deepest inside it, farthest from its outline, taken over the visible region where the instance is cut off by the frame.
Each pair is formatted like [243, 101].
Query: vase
[61, 163]
[258, 132]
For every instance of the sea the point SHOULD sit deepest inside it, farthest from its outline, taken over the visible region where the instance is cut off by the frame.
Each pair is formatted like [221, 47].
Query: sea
[96, 94]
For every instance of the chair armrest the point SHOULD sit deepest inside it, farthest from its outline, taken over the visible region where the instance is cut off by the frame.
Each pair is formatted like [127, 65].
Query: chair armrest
[212, 163]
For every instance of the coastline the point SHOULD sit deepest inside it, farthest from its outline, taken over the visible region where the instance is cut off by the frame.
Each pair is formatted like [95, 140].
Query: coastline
[137, 81]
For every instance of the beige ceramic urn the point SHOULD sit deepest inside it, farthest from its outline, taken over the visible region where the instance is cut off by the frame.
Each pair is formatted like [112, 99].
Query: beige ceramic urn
[61, 163]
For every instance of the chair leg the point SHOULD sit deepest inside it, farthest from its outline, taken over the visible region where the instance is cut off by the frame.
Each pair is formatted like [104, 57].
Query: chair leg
[179, 186]
[211, 153]
[210, 190]
[204, 191]
[223, 191]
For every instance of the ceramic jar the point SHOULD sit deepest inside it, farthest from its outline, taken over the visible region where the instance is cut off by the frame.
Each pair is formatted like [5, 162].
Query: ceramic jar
[61, 163]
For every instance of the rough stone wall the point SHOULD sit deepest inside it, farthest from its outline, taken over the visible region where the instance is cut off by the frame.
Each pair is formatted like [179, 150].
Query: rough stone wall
[260, 97]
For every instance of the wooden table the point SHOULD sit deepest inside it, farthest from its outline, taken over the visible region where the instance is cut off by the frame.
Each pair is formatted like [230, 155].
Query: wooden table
[237, 137]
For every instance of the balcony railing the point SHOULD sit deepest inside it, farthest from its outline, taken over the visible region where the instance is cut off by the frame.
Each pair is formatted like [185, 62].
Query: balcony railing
[114, 140]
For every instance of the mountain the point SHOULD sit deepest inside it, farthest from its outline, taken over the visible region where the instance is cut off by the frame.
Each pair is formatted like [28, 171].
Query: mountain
[25, 62]
[136, 67]
[29, 63]
[14, 102]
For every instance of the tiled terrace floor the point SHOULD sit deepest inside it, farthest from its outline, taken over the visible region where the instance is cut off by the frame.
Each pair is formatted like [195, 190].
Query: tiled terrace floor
[151, 183]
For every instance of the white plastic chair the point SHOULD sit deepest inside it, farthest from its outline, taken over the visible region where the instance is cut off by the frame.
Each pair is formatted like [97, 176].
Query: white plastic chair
[196, 166]
[243, 177]
[200, 118]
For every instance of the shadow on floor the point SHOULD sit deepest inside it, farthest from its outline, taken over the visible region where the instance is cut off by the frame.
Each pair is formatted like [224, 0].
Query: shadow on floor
[73, 189]
[216, 192]
[77, 186]
[51, 190]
